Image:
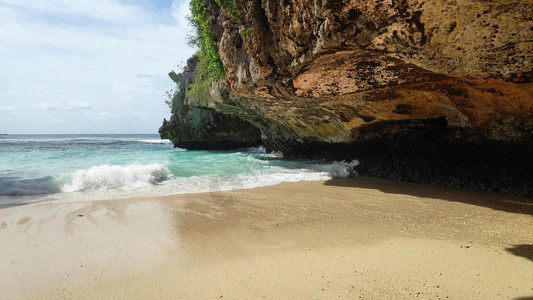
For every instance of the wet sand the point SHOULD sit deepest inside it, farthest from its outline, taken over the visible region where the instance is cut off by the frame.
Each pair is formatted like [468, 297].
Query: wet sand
[345, 238]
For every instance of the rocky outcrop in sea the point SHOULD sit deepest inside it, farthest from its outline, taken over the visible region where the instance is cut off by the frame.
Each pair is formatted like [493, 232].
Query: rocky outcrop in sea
[199, 127]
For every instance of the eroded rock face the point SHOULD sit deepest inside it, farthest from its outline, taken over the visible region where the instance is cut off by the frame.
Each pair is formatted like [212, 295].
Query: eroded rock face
[355, 63]
[194, 127]
[449, 80]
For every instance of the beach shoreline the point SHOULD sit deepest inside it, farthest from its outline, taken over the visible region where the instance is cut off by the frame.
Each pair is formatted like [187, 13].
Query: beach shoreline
[315, 239]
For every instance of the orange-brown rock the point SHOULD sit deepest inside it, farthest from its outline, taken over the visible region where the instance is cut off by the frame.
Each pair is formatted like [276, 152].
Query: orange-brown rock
[355, 63]
[360, 77]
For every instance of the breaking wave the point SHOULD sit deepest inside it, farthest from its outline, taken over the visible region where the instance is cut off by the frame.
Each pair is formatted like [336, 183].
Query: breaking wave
[155, 141]
[117, 177]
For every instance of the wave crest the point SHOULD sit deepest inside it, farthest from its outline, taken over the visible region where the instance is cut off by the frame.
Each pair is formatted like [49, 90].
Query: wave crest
[155, 141]
[105, 177]
[341, 169]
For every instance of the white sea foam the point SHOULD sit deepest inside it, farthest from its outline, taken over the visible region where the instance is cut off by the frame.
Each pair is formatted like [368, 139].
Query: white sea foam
[155, 141]
[339, 169]
[193, 173]
[262, 177]
[275, 154]
[118, 182]
[259, 150]
[106, 177]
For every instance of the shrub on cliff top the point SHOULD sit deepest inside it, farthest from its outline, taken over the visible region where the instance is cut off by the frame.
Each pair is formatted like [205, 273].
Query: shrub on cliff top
[203, 39]
[232, 7]
[201, 19]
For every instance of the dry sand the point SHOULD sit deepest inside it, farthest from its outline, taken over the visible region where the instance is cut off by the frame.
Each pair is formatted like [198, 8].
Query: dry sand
[347, 238]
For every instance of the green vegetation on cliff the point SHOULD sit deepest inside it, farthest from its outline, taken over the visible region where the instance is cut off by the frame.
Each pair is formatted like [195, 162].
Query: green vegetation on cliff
[193, 125]
[232, 7]
[174, 94]
[210, 68]
[203, 39]
[199, 89]
[202, 18]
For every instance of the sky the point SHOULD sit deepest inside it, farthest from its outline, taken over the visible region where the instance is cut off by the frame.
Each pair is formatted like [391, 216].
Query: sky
[89, 66]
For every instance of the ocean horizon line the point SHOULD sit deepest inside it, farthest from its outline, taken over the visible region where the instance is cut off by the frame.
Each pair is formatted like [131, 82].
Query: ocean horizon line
[136, 133]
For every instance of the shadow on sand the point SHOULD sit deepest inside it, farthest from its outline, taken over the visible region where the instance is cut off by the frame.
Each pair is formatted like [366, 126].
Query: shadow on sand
[524, 250]
[496, 201]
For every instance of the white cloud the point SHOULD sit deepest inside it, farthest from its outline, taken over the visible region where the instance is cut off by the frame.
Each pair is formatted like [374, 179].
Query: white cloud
[108, 115]
[8, 107]
[180, 11]
[10, 111]
[56, 121]
[106, 54]
[80, 105]
[102, 115]
[50, 106]
[68, 106]
[94, 10]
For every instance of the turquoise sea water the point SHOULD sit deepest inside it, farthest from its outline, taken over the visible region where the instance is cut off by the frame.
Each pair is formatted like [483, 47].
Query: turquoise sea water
[37, 168]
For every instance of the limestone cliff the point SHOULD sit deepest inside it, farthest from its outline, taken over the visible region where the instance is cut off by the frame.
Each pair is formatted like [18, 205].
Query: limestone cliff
[424, 91]
[193, 126]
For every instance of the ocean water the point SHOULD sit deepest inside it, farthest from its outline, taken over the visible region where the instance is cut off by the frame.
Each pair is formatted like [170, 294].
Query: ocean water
[35, 168]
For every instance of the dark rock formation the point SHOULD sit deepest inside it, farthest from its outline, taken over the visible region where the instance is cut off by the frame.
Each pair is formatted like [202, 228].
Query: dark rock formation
[417, 90]
[197, 127]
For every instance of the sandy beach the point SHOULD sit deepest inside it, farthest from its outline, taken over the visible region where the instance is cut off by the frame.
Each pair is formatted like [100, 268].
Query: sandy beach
[344, 238]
